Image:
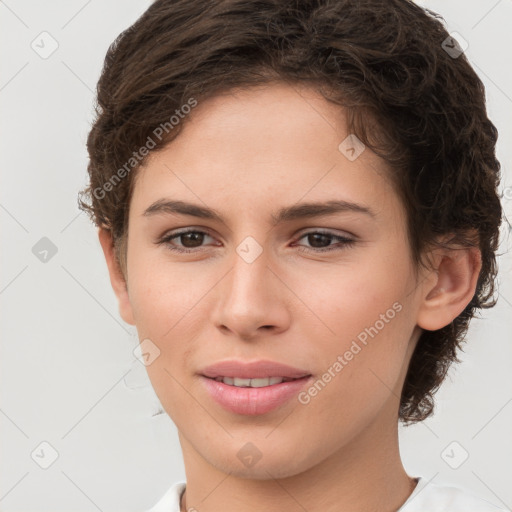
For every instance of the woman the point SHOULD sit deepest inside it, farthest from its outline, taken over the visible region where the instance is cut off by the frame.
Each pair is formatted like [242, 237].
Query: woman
[297, 205]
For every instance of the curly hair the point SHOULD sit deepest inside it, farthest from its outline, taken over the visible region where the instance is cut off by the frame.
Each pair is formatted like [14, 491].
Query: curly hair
[417, 105]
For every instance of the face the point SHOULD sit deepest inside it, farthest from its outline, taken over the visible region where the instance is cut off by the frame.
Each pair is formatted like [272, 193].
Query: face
[331, 291]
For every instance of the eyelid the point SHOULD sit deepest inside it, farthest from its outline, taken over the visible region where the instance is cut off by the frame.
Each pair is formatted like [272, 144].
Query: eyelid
[346, 239]
[343, 241]
[175, 233]
[297, 236]
[325, 231]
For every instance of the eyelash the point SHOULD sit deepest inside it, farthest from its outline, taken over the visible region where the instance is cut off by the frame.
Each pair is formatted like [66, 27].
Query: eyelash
[346, 242]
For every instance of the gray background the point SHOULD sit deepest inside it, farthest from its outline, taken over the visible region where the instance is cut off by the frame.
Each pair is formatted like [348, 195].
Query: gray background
[68, 374]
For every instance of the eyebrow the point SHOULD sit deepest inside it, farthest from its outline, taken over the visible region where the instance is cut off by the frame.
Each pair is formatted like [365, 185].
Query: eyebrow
[286, 214]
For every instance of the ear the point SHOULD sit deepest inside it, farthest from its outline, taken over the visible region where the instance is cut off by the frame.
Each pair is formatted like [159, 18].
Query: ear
[117, 279]
[449, 287]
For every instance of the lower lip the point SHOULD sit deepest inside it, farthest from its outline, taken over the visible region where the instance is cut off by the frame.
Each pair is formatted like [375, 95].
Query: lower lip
[253, 401]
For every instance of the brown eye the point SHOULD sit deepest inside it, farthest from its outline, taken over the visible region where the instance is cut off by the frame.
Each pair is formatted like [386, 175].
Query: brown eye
[189, 240]
[321, 241]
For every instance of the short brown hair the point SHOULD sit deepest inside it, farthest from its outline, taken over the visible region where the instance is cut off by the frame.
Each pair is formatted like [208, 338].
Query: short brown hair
[385, 62]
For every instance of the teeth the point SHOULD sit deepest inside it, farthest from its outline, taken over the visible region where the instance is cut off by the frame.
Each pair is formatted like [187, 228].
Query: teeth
[253, 383]
[242, 382]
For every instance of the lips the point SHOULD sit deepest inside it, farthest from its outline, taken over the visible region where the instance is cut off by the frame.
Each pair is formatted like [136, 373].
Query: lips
[253, 400]
[253, 388]
[253, 370]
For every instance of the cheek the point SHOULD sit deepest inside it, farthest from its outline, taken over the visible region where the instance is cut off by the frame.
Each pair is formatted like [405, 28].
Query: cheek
[367, 290]
[162, 294]
[360, 367]
[368, 308]
[166, 310]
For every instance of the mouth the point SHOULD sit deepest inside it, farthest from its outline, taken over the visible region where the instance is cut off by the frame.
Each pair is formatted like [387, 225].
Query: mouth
[253, 387]
[263, 382]
[256, 396]
[252, 371]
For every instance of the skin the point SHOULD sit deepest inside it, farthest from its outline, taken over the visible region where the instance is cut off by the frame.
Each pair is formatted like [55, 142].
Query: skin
[246, 154]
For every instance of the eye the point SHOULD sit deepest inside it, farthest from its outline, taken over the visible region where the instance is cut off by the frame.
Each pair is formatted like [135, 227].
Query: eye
[191, 240]
[320, 241]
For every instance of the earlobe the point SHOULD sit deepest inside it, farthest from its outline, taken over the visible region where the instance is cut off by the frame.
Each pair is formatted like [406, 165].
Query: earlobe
[454, 283]
[117, 280]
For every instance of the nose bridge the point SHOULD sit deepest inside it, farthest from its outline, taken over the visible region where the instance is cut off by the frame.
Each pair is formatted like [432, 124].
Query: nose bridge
[249, 294]
[249, 278]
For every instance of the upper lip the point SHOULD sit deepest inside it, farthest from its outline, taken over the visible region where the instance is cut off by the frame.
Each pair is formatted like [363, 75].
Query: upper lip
[252, 370]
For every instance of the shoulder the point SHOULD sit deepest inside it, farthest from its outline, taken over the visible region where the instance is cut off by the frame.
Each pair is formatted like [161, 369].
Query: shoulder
[170, 501]
[445, 498]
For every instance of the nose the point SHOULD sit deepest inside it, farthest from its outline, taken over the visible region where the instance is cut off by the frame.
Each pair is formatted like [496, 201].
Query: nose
[252, 300]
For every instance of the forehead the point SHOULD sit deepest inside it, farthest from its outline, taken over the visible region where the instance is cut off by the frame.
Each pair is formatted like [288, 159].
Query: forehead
[255, 148]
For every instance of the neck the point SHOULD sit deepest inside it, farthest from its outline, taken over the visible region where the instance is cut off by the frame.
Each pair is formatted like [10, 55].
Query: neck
[366, 474]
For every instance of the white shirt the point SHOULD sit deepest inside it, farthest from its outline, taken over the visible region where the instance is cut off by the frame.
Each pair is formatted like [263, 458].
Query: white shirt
[426, 497]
